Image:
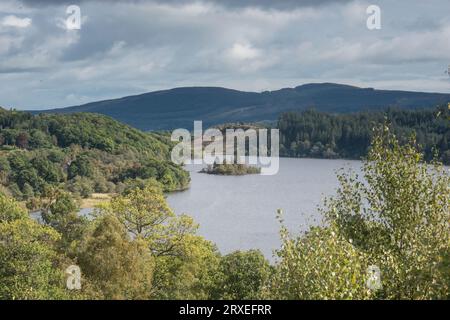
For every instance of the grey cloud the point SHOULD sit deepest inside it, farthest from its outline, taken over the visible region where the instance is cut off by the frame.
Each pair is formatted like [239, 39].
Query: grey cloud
[20, 70]
[267, 4]
[129, 49]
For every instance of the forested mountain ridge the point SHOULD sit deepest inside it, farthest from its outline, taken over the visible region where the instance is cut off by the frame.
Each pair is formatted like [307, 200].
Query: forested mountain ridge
[179, 107]
[322, 135]
[81, 152]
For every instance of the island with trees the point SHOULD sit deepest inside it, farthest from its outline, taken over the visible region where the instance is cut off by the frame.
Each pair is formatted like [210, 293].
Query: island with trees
[230, 169]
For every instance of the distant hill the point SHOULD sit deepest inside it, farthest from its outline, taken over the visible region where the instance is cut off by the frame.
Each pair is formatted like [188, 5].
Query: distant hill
[179, 107]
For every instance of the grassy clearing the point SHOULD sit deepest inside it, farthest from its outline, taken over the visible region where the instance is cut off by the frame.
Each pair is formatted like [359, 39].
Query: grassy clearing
[95, 199]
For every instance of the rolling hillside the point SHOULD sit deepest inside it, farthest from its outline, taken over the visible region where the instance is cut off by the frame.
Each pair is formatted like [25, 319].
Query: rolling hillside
[82, 153]
[179, 107]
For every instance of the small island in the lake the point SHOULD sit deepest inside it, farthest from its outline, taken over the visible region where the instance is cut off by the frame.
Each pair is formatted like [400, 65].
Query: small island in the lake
[230, 169]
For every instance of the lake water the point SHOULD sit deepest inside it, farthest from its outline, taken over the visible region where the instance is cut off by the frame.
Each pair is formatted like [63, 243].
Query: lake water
[239, 212]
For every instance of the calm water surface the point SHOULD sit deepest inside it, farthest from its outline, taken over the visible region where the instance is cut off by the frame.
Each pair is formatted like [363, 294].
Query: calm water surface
[239, 212]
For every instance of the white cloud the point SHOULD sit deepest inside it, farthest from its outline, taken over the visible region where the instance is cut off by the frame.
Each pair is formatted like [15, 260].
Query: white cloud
[241, 51]
[14, 21]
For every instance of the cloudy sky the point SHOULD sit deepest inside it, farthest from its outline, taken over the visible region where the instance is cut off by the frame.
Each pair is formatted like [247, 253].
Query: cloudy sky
[130, 47]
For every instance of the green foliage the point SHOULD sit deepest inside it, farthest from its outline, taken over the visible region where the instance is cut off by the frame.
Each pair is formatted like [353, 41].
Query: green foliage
[167, 173]
[60, 211]
[395, 219]
[184, 263]
[81, 166]
[115, 266]
[82, 153]
[324, 135]
[28, 258]
[27, 261]
[81, 186]
[10, 210]
[399, 218]
[146, 214]
[23, 173]
[242, 275]
[189, 274]
[319, 265]
[230, 169]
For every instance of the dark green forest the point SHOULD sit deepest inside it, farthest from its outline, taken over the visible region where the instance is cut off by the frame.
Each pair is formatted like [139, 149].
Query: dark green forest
[232, 169]
[81, 153]
[323, 135]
